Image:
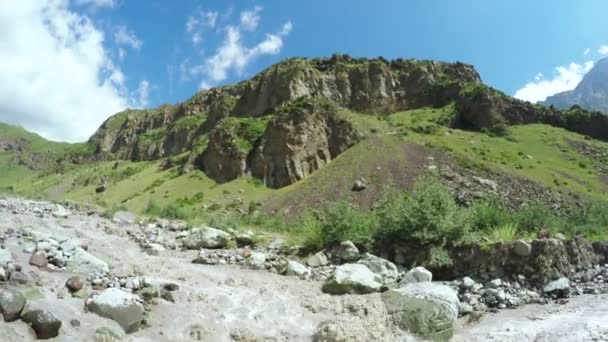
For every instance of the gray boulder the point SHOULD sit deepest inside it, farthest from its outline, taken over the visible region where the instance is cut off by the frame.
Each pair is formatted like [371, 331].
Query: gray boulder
[417, 275]
[124, 217]
[12, 303]
[84, 262]
[256, 260]
[297, 269]
[317, 260]
[3, 275]
[124, 308]
[44, 323]
[387, 271]
[353, 279]
[206, 237]
[425, 309]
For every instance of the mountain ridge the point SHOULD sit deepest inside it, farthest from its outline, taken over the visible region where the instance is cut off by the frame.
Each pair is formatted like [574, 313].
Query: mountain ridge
[591, 93]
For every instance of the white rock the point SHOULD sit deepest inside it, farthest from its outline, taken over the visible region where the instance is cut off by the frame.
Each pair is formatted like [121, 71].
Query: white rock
[387, 271]
[60, 212]
[468, 283]
[522, 248]
[256, 260]
[206, 237]
[354, 279]
[2, 274]
[425, 309]
[346, 251]
[297, 269]
[84, 262]
[560, 284]
[417, 275]
[122, 307]
[317, 260]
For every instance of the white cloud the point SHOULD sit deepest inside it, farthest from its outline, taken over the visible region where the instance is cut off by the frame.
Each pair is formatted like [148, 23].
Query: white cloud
[251, 19]
[63, 83]
[232, 55]
[566, 78]
[586, 52]
[603, 50]
[143, 92]
[126, 37]
[195, 25]
[122, 53]
[97, 3]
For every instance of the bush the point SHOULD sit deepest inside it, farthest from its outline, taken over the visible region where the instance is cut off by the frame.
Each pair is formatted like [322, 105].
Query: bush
[429, 216]
[489, 214]
[340, 222]
[536, 217]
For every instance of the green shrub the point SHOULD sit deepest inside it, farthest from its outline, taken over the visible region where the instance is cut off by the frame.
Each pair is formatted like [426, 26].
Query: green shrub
[172, 211]
[505, 232]
[488, 214]
[429, 216]
[339, 222]
[535, 217]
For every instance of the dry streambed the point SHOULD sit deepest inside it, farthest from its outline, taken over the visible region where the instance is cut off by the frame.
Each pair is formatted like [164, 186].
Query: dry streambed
[86, 278]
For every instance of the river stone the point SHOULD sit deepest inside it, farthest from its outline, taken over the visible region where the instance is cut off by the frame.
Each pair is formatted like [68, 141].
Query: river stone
[317, 260]
[3, 276]
[124, 217]
[206, 237]
[5, 257]
[257, 260]
[558, 288]
[38, 259]
[353, 279]
[74, 284]
[44, 323]
[84, 262]
[387, 271]
[417, 275]
[122, 307]
[11, 304]
[522, 248]
[297, 269]
[425, 309]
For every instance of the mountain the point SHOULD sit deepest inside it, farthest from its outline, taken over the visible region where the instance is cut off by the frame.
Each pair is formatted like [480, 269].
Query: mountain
[591, 93]
[299, 134]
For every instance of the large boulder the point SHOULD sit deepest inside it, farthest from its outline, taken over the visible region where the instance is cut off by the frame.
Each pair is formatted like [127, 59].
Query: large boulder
[12, 303]
[84, 262]
[353, 279]
[206, 237]
[387, 271]
[559, 288]
[124, 308]
[417, 275]
[44, 323]
[425, 309]
[346, 251]
[317, 260]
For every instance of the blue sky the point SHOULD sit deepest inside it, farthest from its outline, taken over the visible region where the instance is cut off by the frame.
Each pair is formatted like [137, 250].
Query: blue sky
[136, 53]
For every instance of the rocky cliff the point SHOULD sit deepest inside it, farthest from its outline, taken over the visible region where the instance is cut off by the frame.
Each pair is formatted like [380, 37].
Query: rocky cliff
[259, 127]
[283, 124]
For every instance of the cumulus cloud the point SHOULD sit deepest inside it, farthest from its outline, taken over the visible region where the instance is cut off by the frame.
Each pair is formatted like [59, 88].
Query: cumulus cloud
[60, 80]
[126, 37]
[565, 78]
[234, 56]
[195, 25]
[603, 50]
[250, 19]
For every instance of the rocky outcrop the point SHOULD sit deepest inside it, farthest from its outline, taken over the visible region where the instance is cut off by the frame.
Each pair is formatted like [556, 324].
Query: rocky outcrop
[365, 85]
[223, 160]
[303, 137]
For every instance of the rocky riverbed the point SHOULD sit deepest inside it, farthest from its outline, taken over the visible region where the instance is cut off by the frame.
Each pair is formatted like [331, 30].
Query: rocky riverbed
[68, 274]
